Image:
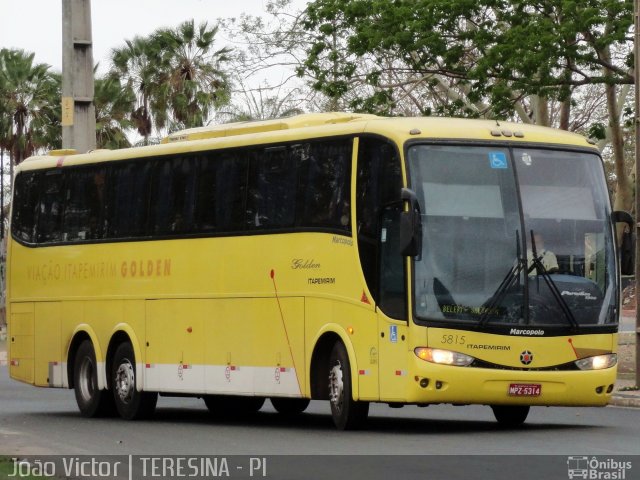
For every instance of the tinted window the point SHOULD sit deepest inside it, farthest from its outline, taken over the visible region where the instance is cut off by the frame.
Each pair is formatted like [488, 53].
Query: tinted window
[84, 204]
[205, 194]
[378, 183]
[25, 200]
[50, 206]
[231, 189]
[271, 201]
[325, 180]
[129, 199]
[173, 196]
[305, 185]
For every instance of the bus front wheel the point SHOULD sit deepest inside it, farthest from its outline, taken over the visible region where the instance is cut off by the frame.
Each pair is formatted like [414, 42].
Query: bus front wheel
[510, 415]
[347, 413]
[92, 401]
[130, 403]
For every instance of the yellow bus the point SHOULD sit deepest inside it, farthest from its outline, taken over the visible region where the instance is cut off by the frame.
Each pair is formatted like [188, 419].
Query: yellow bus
[344, 257]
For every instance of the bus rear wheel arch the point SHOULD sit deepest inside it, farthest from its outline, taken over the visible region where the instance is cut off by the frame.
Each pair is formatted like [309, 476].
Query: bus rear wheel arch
[92, 401]
[130, 403]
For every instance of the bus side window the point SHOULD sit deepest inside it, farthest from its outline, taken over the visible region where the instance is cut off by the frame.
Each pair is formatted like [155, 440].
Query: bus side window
[324, 184]
[173, 196]
[23, 223]
[50, 206]
[271, 200]
[230, 190]
[129, 200]
[205, 195]
[84, 204]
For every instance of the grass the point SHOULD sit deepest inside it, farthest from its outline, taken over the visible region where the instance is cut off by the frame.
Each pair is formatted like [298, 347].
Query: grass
[629, 388]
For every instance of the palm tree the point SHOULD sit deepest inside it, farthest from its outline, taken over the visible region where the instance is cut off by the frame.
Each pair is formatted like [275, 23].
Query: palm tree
[135, 65]
[192, 82]
[114, 105]
[30, 96]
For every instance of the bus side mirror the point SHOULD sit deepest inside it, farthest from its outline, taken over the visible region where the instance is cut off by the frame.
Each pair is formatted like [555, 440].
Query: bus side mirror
[410, 225]
[627, 245]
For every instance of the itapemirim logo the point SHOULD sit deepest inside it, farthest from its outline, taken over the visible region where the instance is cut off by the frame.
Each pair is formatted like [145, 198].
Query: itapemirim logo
[593, 468]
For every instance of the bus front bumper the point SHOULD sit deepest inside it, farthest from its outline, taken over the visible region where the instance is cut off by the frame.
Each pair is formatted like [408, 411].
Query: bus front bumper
[432, 383]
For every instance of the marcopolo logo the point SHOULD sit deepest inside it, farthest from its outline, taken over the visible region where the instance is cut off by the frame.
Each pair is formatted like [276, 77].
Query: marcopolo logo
[593, 468]
[520, 331]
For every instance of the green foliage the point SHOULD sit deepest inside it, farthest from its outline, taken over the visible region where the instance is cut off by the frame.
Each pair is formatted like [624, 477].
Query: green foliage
[597, 131]
[495, 51]
[29, 105]
[113, 104]
[176, 76]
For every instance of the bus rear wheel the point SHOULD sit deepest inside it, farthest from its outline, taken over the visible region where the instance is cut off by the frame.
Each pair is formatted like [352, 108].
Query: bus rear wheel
[290, 406]
[130, 403]
[92, 402]
[221, 405]
[510, 415]
[347, 413]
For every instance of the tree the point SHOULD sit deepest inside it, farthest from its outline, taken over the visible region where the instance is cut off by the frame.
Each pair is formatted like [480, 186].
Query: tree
[134, 65]
[31, 99]
[176, 75]
[192, 83]
[493, 58]
[113, 104]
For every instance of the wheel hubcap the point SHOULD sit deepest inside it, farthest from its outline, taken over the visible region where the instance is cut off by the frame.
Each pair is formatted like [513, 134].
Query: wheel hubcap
[85, 379]
[336, 386]
[125, 381]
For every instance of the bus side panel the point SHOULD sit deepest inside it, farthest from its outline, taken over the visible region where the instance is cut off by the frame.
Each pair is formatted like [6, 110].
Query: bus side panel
[21, 342]
[277, 337]
[175, 345]
[225, 346]
[48, 364]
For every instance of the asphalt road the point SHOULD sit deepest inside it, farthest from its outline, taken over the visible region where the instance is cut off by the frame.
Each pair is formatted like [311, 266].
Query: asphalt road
[45, 421]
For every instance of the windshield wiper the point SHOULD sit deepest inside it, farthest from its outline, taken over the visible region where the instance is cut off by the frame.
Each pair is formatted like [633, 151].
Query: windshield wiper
[542, 271]
[512, 276]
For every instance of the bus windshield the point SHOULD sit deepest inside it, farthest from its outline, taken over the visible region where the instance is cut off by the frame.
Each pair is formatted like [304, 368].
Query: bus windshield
[513, 236]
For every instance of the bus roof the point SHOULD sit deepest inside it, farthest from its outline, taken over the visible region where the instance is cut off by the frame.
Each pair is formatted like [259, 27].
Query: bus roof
[316, 125]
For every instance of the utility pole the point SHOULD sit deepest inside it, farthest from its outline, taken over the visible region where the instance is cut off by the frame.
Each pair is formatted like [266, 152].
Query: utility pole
[78, 111]
[636, 74]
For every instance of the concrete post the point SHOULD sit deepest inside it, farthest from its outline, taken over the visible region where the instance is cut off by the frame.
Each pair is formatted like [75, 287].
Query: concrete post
[78, 111]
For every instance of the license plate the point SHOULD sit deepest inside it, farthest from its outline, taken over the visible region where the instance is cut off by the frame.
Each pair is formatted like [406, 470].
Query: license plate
[525, 389]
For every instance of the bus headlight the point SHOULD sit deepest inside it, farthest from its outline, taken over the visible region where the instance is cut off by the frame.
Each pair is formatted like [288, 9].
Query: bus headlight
[443, 357]
[598, 362]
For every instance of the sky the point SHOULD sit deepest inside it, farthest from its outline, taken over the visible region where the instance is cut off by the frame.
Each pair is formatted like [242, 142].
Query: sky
[36, 25]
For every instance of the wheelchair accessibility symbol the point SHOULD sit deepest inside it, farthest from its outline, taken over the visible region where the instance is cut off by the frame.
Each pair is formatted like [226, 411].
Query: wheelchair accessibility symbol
[497, 160]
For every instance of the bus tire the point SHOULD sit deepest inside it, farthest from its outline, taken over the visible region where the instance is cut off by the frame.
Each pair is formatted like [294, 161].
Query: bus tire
[347, 413]
[290, 406]
[232, 405]
[130, 403]
[91, 401]
[510, 415]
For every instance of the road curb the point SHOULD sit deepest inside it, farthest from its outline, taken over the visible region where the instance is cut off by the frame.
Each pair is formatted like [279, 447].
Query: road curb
[622, 399]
